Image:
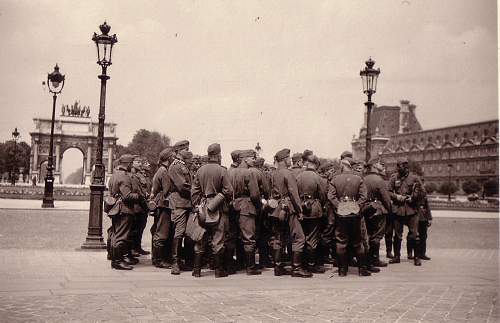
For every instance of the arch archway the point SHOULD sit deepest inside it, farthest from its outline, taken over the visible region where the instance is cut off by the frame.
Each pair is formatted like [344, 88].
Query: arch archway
[72, 166]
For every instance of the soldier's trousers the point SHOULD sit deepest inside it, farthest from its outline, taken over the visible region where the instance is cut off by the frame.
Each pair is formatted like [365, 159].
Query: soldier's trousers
[348, 232]
[411, 221]
[139, 224]
[375, 226]
[364, 235]
[217, 233]
[161, 228]
[179, 220]
[389, 231]
[121, 225]
[288, 229]
[246, 225]
[262, 236]
[232, 231]
[312, 232]
[328, 232]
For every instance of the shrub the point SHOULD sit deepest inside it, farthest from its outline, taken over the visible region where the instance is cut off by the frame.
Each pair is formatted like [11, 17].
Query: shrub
[448, 188]
[430, 188]
[471, 187]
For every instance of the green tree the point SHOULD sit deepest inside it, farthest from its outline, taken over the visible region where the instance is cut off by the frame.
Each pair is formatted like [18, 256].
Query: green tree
[471, 187]
[14, 156]
[148, 144]
[430, 188]
[490, 187]
[448, 188]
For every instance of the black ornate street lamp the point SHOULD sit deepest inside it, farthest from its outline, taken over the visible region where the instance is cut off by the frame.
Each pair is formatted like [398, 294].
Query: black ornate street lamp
[94, 240]
[55, 84]
[15, 137]
[369, 77]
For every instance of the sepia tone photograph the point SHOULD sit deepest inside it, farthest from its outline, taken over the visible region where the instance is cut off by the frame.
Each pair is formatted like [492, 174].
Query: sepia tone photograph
[249, 161]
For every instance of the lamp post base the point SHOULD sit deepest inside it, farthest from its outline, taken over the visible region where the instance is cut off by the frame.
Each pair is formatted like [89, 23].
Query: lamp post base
[94, 238]
[48, 194]
[48, 203]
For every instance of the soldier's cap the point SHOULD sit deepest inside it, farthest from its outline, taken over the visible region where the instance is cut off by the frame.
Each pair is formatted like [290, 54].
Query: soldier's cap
[296, 157]
[402, 160]
[325, 166]
[213, 149]
[259, 161]
[196, 157]
[348, 161]
[314, 159]
[282, 154]
[306, 154]
[186, 154]
[126, 158]
[374, 161]
[181, 145]
[165, 154]
[357, 162]
[345, 154]
[247, 153]
[235, 154]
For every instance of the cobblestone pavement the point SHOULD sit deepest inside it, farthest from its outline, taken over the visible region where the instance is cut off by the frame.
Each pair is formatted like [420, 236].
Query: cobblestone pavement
[459, 284]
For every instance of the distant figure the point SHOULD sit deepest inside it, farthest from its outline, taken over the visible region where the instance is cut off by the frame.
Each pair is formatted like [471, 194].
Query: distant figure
[63, 110]
[33, 180]
[88, 111]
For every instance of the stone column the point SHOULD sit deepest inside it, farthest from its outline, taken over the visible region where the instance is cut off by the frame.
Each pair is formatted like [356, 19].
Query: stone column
[89, 157]
[110, 159]
[35, 156]
[58, 157]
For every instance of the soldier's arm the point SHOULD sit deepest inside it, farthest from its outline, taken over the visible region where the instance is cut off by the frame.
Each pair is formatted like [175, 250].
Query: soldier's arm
[265, 186]
[227, 188]
[332, 194]
[177, 174]
[293, 190]
[253, 188]
[125, 188]
[322, 191]
[362, 193]
[196, 191]
[386, 196]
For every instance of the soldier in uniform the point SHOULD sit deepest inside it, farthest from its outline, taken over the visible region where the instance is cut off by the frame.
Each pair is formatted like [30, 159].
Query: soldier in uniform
[376, 210]
[327, 248]
[424, 222]
[140, 186]
[285, 217]
[402, 186]
[120, 186]
[261, 227]
[312, 193]
[347, 193]
[211, 182]
[161, 226]
[232, 242]
[297, 164]
[246, 202]
[179, 203]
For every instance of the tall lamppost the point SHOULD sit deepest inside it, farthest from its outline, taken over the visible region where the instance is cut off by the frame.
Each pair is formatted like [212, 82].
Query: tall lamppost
[369, 77]
[104, 43]
[15, 137]
[449, 181]
[55, 84]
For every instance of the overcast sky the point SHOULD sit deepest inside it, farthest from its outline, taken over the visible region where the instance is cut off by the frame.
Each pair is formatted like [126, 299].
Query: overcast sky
[282, 73]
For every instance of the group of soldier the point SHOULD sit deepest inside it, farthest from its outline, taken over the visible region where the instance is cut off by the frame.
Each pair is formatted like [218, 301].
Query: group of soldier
[297, 214]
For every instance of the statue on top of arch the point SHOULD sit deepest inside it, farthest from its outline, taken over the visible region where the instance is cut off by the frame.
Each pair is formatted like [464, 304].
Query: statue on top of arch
[75, 110]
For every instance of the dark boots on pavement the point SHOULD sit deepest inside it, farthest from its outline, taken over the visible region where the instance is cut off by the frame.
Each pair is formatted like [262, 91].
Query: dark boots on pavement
[297, 268]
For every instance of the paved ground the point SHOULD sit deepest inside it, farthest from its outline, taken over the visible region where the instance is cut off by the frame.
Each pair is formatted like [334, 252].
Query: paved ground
[43, 278]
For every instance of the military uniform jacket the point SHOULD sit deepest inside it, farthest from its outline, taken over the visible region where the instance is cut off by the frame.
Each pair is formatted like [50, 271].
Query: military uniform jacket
[284, 186]
[312, 190]
[210, 180]
[296, 170]
[346, 184]
[139, 186]
[180, 191]
[161, 186]
[403, 186]
[377, 193]
[120, 184]
[245, 191]
[262, 181]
